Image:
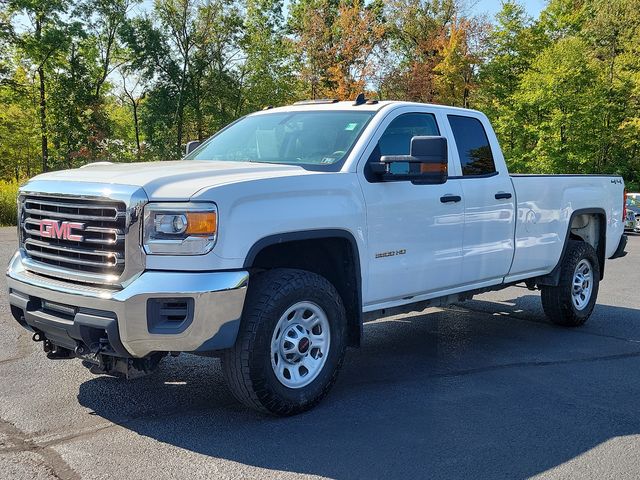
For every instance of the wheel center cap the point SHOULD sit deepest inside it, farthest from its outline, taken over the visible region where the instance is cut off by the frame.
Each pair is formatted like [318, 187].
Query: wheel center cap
[303, 345]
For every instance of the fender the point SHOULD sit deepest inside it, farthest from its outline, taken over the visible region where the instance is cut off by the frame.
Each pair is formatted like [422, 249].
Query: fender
[355, 328]
[553, 278]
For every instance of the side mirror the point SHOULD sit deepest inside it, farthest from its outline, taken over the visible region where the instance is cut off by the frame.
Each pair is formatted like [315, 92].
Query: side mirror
[426, 164]
[191, 146]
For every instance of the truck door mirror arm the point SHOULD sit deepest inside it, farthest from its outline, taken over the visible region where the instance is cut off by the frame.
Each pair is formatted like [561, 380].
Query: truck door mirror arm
[426, 164]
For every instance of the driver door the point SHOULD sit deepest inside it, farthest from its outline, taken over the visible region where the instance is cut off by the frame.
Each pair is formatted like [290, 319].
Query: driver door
[414, 232]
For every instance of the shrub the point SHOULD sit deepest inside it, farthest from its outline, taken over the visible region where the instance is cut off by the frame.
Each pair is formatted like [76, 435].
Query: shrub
[8, 195]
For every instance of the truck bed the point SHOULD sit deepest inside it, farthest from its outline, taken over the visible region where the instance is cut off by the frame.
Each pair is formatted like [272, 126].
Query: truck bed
[545, 205]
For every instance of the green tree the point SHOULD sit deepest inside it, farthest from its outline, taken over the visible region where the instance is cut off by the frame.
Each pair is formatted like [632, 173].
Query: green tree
[628, 131]
[563, 100]
[187, 52]
[268, 75]
[176, 18]
[563, 18]
[511, 46]
[613, 31]
[77, 122]
[41, 42]
[19, 134]
[5, 33]
[215, 94]
[133, 92]
[104, 20]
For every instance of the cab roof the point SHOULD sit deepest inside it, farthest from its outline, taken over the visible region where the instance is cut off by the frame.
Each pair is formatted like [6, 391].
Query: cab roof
[332, 105]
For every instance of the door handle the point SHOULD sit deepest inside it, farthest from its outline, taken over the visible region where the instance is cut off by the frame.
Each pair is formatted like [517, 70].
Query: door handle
[450, 199]
[502, 195]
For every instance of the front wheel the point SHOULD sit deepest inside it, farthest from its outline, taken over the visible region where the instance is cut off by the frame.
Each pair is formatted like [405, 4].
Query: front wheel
[571, 302]
[291, 343]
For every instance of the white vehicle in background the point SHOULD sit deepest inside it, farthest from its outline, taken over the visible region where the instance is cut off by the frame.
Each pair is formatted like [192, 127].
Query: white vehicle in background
[633, 212]
[271, 243]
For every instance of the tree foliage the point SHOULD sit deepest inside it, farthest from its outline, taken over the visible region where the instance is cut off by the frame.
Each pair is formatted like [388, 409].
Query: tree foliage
[122, 80]
[562, 89]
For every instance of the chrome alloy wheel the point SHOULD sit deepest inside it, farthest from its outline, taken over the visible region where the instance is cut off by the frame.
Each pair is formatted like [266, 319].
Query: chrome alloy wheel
[582, 284]
[300, 344]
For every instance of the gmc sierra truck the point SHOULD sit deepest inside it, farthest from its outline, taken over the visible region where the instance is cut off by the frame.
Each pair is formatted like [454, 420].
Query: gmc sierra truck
[272, 242]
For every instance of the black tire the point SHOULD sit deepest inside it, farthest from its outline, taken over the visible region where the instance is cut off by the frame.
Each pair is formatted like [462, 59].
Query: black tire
[247, 366]
[557, 302]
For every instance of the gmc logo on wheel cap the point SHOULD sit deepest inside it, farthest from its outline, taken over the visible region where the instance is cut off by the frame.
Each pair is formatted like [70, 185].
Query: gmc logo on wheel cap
[61, 230]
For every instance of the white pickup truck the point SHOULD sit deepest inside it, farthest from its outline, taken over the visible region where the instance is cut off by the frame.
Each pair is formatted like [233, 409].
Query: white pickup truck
[272, 242]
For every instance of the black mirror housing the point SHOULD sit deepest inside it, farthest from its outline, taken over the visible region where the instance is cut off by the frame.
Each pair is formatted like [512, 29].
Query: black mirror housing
[433, 149]
[427, 163]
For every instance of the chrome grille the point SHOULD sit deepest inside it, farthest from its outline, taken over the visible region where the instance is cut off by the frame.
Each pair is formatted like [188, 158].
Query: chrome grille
[102, 248]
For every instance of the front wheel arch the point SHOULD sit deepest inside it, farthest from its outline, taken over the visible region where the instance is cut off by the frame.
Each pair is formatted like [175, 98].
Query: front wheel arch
[330, 253]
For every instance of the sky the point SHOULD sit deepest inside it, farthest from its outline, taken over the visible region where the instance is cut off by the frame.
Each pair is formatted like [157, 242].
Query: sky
[491, 7]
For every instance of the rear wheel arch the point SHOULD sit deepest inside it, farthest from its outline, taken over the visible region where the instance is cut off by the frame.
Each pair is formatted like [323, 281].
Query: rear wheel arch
[331, 253]
[588, 225]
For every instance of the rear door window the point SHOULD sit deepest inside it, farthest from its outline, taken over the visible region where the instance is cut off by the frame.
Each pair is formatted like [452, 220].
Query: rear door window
[474, 150]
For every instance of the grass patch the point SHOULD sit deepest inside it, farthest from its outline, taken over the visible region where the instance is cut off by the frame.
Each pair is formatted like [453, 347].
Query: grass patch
[8, 207]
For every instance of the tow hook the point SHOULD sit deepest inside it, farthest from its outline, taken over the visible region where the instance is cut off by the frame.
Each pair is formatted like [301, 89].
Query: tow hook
[80, 350]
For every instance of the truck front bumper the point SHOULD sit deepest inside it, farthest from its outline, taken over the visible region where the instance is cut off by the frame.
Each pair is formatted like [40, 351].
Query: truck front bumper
[159, 311]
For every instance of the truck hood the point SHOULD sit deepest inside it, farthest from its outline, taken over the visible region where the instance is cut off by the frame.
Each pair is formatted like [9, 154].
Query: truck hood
[176, 180]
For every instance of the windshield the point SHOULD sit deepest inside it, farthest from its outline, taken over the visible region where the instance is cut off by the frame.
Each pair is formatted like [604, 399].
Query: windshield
[297, 138]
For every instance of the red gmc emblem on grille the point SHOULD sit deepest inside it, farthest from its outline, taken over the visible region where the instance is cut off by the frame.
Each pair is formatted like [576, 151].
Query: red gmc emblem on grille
[61, 230]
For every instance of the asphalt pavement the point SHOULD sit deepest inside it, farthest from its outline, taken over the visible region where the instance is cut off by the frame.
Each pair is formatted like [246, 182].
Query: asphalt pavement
[485, 389]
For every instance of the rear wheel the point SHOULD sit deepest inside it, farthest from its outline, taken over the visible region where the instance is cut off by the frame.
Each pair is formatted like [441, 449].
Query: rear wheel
[571, 302]
[291, 342]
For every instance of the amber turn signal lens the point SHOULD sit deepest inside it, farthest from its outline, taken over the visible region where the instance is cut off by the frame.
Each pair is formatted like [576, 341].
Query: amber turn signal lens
[201, 223]
[433, 168]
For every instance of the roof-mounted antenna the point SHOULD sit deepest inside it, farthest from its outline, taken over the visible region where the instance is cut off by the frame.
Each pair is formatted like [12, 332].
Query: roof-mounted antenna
[360, 100]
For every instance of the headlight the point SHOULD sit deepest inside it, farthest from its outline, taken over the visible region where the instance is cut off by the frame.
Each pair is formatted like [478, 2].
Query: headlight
[180, 228]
